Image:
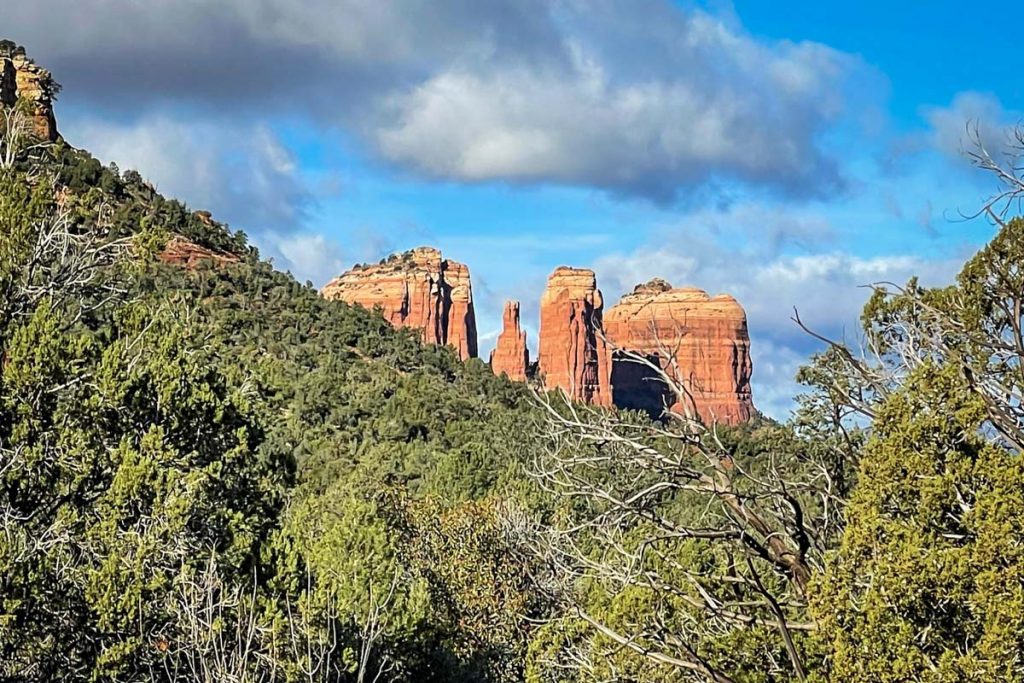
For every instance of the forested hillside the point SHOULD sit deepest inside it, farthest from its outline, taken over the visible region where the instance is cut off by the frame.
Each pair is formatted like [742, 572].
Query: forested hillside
[194, 450]
[210, 473]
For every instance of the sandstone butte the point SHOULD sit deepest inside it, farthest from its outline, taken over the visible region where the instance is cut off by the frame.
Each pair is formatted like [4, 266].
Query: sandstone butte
[702, 340]
[510, 355]
[21, 79]
[572, 354]
[417, 289]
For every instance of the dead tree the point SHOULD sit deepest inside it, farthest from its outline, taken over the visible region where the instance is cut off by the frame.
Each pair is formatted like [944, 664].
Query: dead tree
[218, 636]
[18, 139]
[976, 326]
[637, 492]
[1006, 164]
[372, 629]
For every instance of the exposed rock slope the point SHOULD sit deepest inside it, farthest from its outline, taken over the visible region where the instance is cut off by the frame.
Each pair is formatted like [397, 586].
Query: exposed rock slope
[22, 79]
[186, 253]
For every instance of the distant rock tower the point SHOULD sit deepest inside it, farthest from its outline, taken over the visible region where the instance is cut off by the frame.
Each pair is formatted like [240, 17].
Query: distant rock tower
[417, 289]
[22, 80]
[572, 354]
[702, 341]
[511, 356]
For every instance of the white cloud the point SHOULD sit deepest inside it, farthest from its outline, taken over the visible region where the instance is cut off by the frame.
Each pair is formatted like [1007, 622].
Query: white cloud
[775, 368]
[952, 127]
[307, 256]
[646, 99]
[713, 104]
[244, 174]
[274, 53]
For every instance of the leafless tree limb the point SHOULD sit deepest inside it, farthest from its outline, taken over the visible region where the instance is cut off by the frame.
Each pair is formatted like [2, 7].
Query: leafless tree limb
[624, 480]
[1006, 164]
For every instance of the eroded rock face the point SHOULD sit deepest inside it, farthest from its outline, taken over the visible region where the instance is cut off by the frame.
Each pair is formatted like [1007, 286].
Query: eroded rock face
[417, 289]
[186, 253]
[572, 355]
[22, 79]
[460, 329]
[705, 336]
[510, 355]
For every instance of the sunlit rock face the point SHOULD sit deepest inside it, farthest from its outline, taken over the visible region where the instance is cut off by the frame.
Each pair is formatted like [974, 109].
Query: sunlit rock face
[701, 340]
[572, 353]
[510, 356]
[418, 289]
[22, 80]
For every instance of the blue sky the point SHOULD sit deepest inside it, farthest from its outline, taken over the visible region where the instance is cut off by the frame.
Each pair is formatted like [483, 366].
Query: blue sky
[786, 152]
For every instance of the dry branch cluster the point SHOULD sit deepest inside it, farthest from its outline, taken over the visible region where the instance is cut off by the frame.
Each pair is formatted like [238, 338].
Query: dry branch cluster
[642, 498]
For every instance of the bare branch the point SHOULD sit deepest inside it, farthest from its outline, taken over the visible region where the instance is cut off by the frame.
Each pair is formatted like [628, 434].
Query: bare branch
[641, 491]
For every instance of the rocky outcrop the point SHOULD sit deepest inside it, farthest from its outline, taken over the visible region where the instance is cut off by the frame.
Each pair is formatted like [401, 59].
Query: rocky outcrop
[183, 252]
[702, 341]
[510, 355]
[572, 354]
[23, 80]
[417, 289]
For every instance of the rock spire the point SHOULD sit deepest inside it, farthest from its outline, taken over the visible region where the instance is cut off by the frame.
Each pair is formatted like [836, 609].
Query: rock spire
[572, 353]
[702, 340]
[510, 355]
[22, 80]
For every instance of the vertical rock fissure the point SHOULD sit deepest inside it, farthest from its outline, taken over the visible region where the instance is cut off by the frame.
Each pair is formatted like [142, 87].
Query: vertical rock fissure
[571, 349]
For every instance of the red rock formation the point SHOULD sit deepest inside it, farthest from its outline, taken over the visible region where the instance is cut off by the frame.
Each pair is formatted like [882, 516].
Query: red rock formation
[705, 336]
[460, 330]
[572, 354]
[184, 252]
[417, 289]
[21, 79]
[511, 356]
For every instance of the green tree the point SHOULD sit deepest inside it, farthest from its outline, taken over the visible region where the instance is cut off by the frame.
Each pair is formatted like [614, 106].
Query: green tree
[480, 571]
[128, 457]
[359, 611]
[928, 582]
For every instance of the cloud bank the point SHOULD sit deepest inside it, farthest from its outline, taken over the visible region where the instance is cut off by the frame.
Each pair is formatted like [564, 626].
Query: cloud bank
[641, 99]
[245, 173]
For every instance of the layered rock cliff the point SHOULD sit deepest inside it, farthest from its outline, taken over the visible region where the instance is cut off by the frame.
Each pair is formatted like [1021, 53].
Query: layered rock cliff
[417, 289]
[702, 340]
[510, 355]
[572, 354]
[183, 252]
[23, 80]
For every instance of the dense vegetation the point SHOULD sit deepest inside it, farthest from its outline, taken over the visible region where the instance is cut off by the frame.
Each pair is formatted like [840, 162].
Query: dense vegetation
[213, 474]
[173, 436]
